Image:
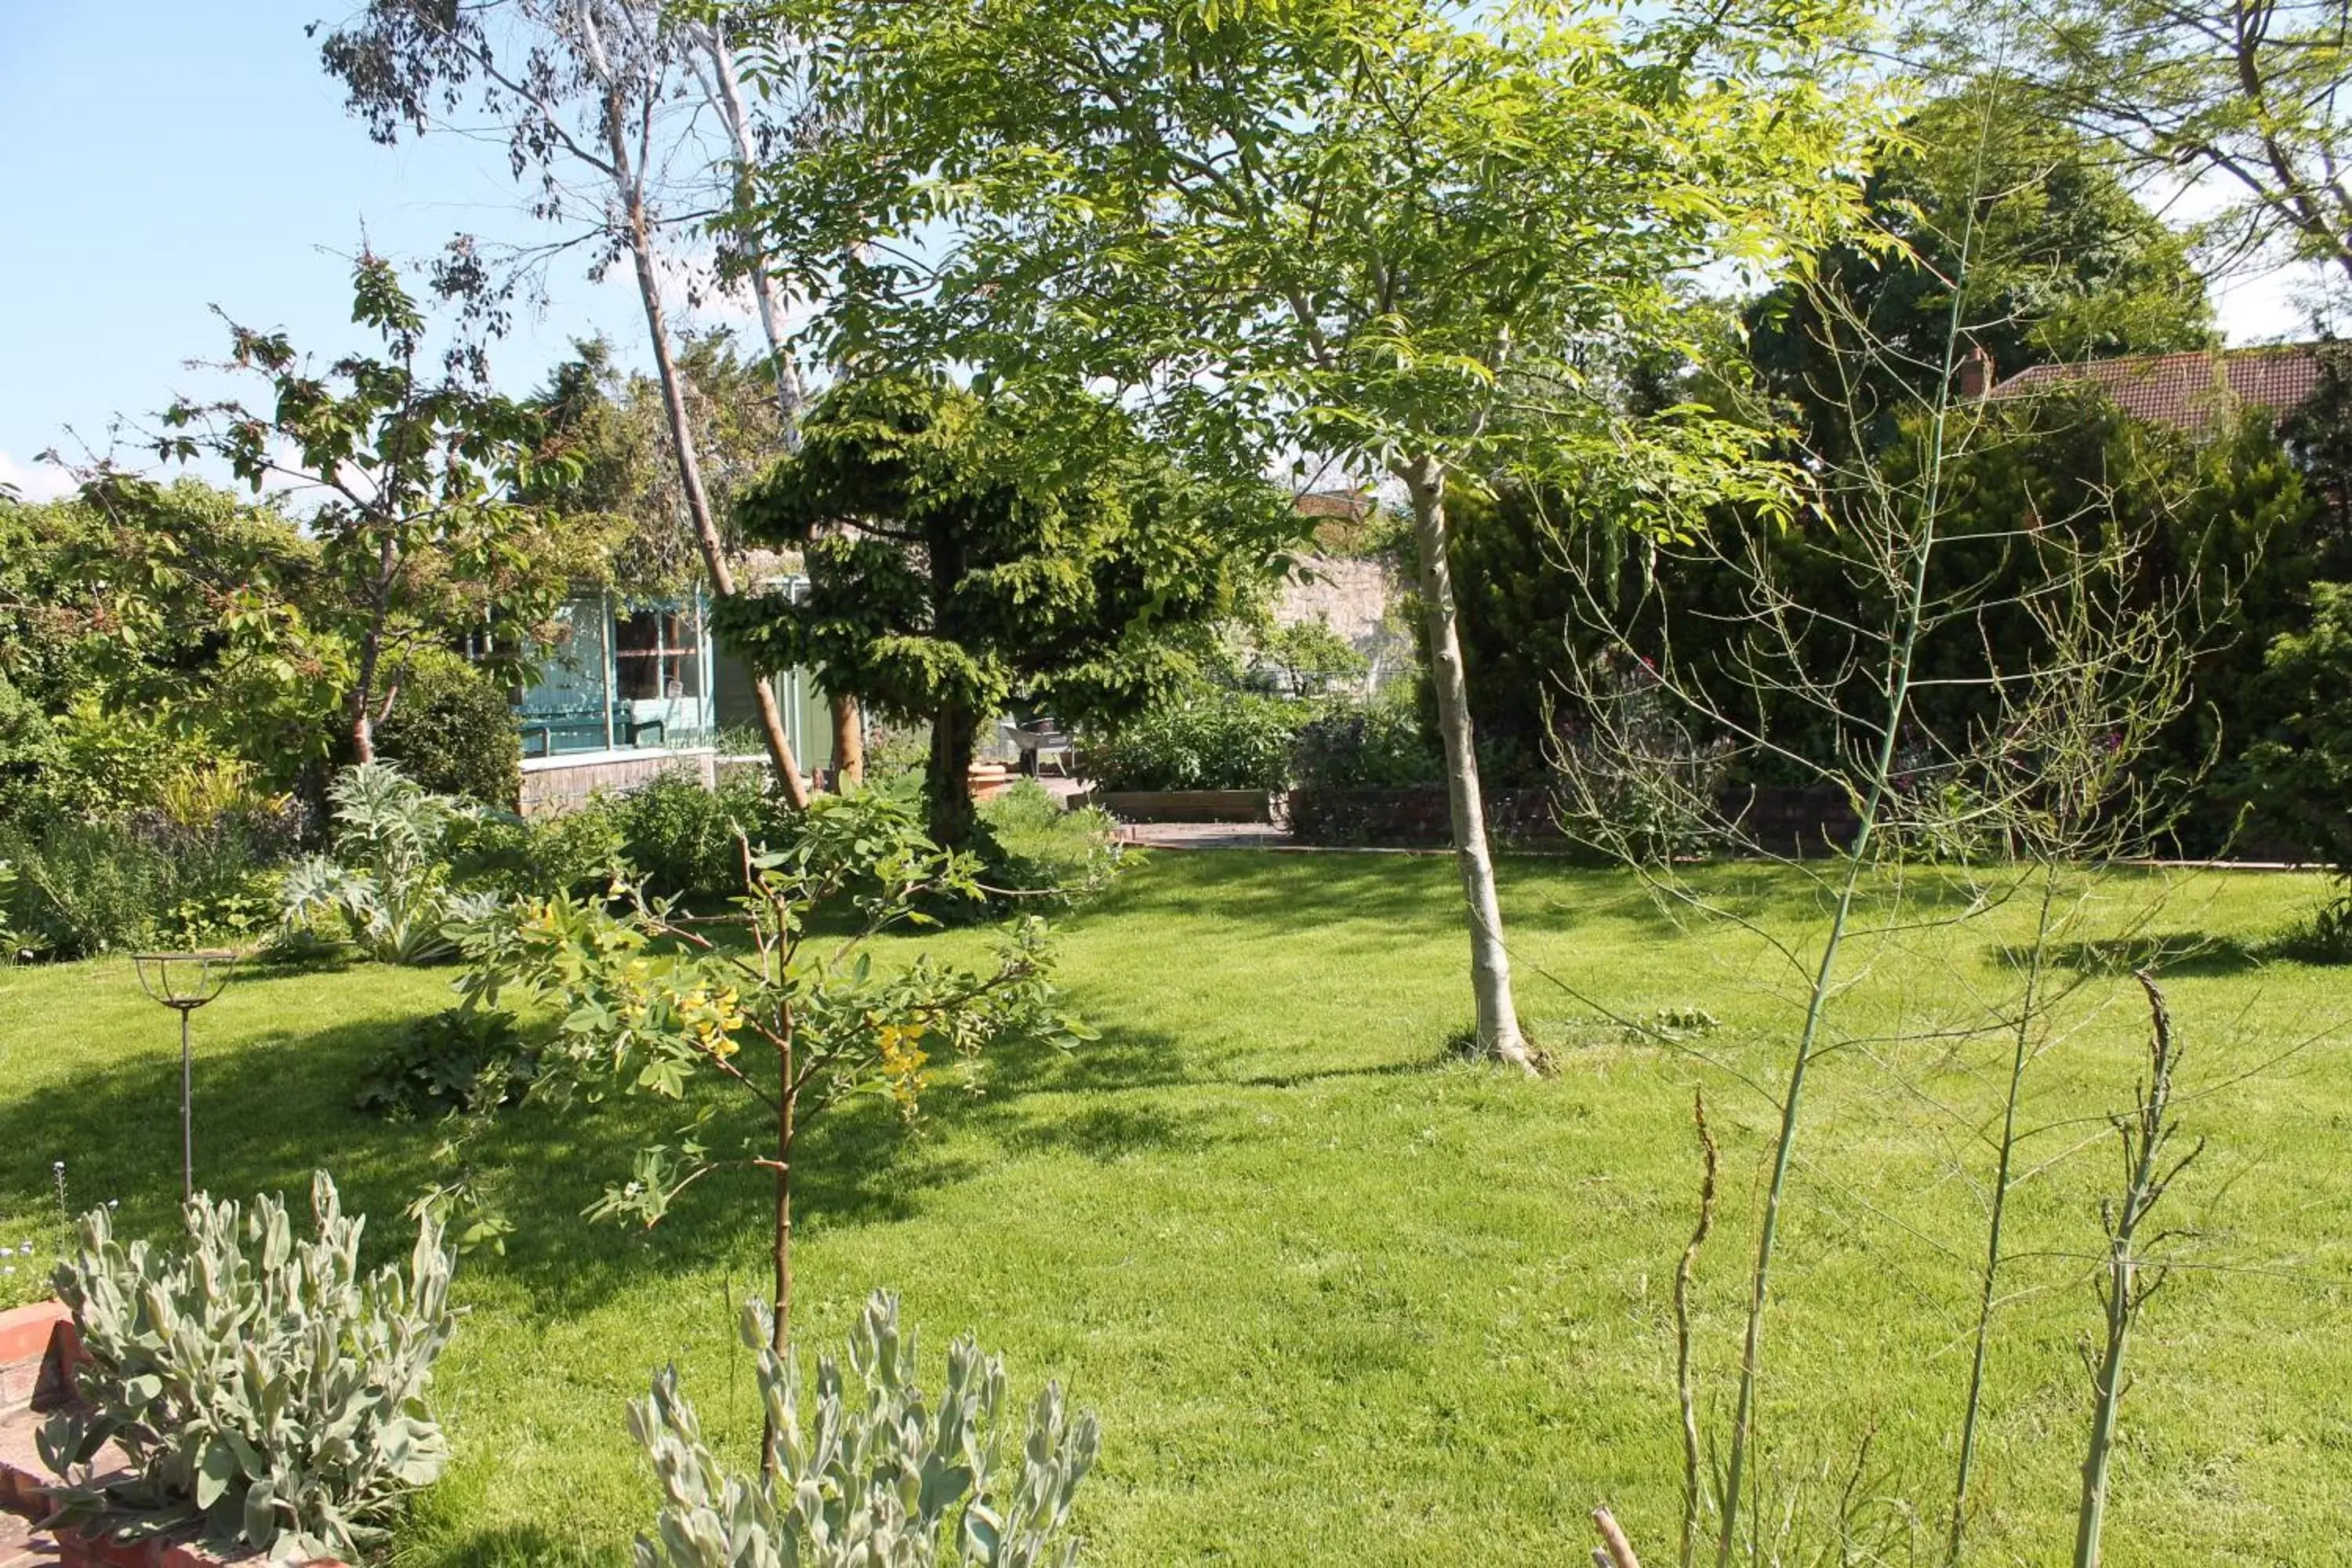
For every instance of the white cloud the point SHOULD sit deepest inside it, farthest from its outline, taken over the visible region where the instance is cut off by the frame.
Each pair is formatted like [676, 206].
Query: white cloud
[37, 483]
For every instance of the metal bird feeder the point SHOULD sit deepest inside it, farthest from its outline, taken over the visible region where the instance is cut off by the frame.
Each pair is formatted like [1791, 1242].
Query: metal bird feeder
[184, 982]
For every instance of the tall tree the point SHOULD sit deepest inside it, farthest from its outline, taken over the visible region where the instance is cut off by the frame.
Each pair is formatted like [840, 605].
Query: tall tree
[2063, 264]
[964, 552]
[2243, 96]
[586, 89]
[723, 85]
[1396, 233]
[416, 473]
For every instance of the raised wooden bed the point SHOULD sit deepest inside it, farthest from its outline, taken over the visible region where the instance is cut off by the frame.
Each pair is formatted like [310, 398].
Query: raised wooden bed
[38, 1350]
[1187, 804]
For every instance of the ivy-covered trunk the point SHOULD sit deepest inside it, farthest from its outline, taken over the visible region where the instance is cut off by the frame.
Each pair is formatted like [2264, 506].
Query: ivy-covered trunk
[947, 780]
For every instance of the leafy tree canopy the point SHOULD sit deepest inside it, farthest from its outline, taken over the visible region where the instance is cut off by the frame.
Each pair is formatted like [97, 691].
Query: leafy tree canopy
[618, 488]
[2242, 97]
[415, 469]
[966, 553]
[2060, 262]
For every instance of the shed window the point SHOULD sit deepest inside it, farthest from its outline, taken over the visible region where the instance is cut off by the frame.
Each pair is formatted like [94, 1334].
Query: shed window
[657, 654]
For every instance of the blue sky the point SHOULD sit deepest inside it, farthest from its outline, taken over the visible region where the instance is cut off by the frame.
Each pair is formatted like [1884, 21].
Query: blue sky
[161, 156]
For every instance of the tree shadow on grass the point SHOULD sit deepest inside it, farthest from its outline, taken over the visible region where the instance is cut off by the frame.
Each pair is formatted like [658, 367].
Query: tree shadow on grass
[1283, 893]
[276, 1104]
[2182, 955]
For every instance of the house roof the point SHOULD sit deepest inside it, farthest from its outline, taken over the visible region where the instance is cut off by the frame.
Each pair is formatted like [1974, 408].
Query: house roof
[2187, 390]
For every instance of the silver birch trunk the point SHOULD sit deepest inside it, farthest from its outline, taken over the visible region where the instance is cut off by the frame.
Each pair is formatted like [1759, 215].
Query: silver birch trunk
[627, 180]
[726, 96]
[1490, 962]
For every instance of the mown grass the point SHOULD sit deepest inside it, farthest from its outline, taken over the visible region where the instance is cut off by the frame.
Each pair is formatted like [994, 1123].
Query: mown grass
[1338, 1299]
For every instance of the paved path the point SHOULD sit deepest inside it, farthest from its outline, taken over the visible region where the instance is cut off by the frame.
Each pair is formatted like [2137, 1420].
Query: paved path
[21, 1546]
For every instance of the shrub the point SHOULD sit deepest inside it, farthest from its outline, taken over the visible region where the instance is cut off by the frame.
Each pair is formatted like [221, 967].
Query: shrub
[388, 883]
[2299, 775]
[84, 887]
[462, 1058]
[890, 1475]
[1379, 745]
[453, 730]
[566, 852]
[1036, 848]
[1229, 740]
[1636, 782]
[32, 760]
[681, 838]
[259, 1383]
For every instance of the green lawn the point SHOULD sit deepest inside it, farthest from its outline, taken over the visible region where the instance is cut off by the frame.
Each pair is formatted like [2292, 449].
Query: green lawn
[1337, 1300]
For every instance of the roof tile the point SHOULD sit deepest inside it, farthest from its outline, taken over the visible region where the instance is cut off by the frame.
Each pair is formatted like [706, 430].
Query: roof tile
[2191, 390]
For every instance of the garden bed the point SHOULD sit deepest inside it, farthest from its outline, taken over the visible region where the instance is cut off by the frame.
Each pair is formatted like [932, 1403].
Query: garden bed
[1418, 816]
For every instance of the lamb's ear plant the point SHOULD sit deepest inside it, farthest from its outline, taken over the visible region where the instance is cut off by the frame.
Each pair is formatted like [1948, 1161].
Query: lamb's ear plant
[886, 1476]
[259, 1383]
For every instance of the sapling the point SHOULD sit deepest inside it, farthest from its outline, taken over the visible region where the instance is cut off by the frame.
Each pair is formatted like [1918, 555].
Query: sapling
[762, 1000]
[2132, 1274]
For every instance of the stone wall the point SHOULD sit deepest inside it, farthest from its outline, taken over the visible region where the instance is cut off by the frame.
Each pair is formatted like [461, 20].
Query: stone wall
[1356, 598]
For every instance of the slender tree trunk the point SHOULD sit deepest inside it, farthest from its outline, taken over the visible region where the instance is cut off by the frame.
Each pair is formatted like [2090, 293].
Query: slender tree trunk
[780, 1305]
[727, 91]
[848, 743]
[363, 702]
[363, 713]
[627, 179]
[1490, 962]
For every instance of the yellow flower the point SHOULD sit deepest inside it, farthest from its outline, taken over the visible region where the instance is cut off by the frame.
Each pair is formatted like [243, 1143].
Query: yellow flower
[902, 1062]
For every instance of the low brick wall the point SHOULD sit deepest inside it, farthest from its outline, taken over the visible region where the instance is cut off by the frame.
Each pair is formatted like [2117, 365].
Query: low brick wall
[1417, 817]
[1187, 804]
[550, 784]
[1775, 820]
[38, 1350]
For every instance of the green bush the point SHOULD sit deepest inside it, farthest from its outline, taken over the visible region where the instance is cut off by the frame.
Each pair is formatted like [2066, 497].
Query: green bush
[1377, 746]
[453, 730]
[1225, 740]
[462, 1058]
[259, 1384]
[890, 1474]
[84, 887]
[2298, 775]
[1036, 848]
[565, 852]
[682, 838]
[32, 760]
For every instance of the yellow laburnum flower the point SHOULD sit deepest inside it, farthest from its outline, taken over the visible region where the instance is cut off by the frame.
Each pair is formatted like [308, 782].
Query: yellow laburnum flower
[902, 1062]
